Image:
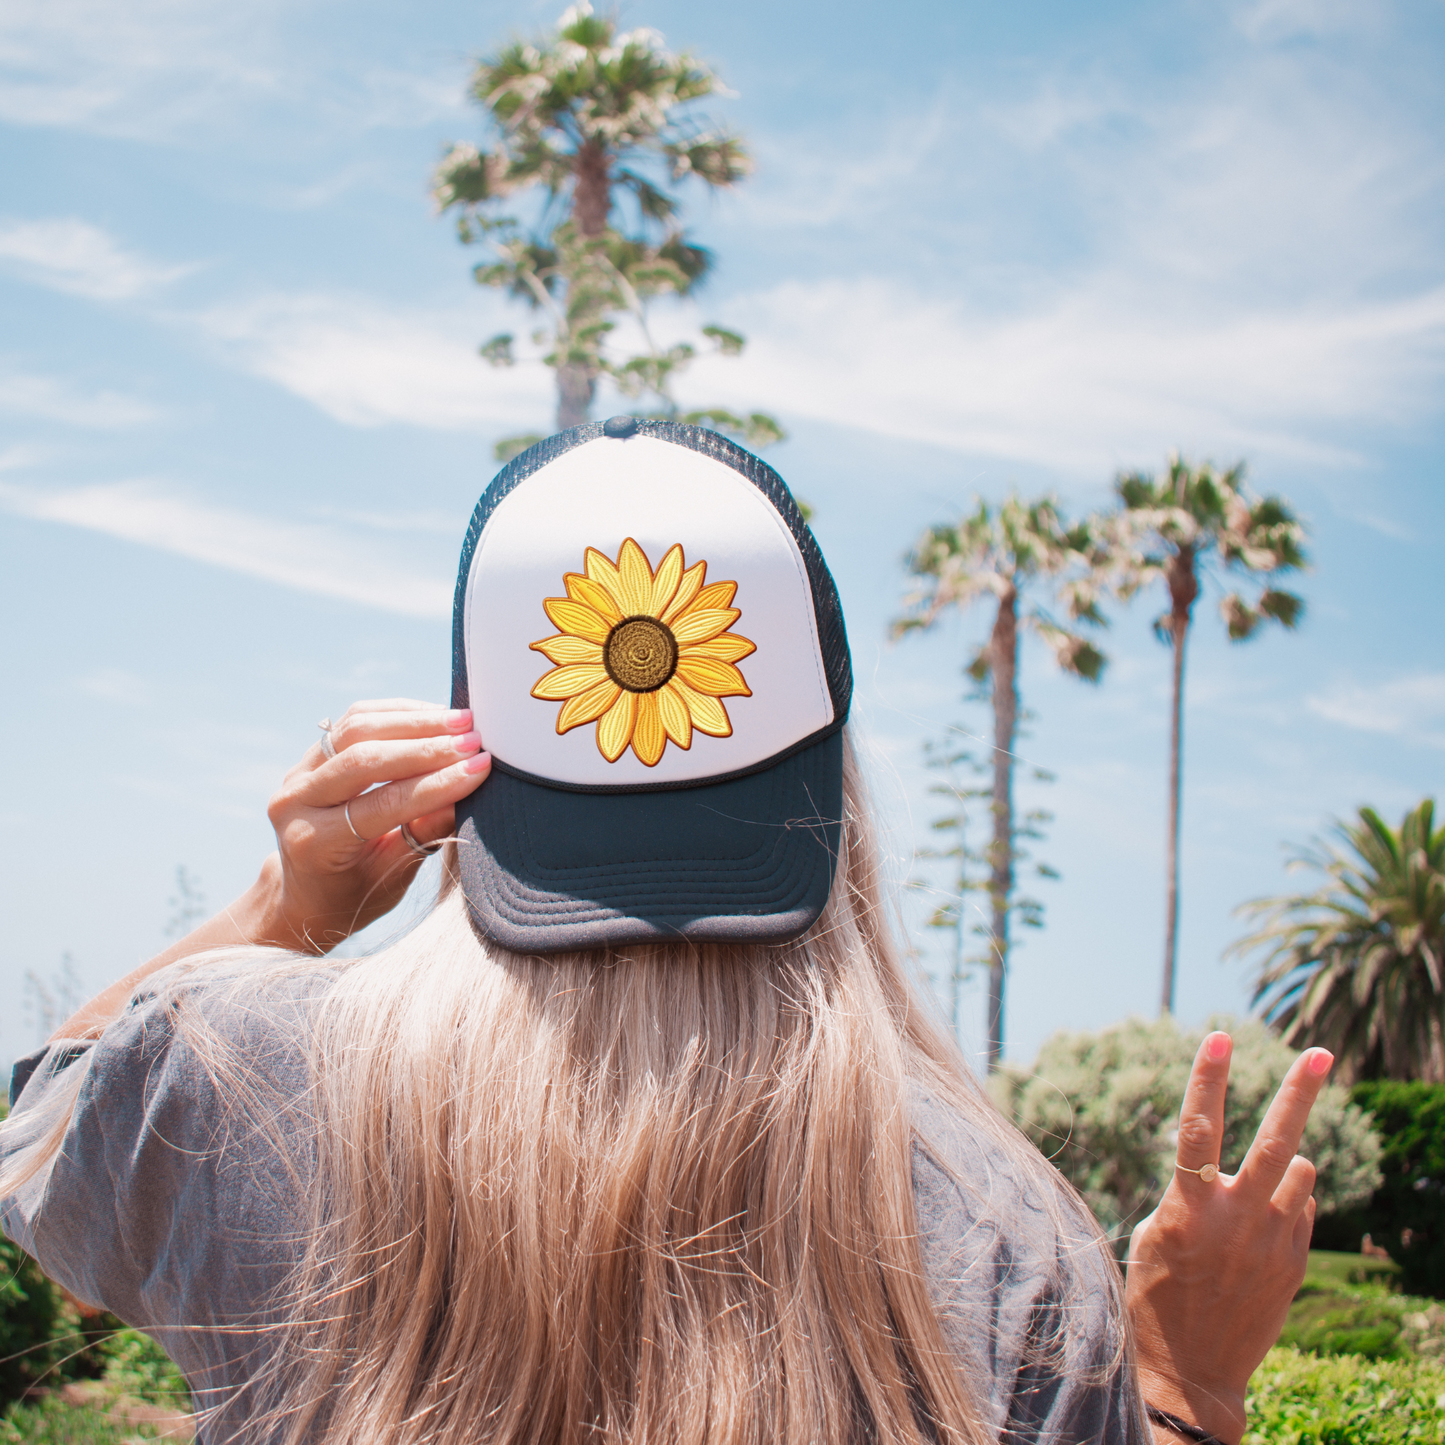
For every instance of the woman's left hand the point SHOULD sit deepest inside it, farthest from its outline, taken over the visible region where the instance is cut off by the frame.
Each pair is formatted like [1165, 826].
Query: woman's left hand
[1213, 1270]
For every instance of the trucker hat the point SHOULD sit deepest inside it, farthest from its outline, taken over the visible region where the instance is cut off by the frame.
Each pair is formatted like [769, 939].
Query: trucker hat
[654, 654]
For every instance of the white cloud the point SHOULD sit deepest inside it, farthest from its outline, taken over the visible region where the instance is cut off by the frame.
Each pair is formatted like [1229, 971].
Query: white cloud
[306, 556]
[53, 400]
[81, 259]
[1411, 707]
[367, 365]
[171, 69]
[1087, 381]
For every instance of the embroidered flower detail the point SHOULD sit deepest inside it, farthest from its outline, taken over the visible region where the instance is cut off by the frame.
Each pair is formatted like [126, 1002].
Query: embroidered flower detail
[646, 655]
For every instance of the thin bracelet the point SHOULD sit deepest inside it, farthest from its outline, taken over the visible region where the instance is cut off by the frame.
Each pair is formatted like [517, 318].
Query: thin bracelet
[1180, 1427]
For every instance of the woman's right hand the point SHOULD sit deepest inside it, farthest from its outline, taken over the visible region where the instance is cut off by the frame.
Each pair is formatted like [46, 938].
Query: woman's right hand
[1213, 1270]
[342, 861]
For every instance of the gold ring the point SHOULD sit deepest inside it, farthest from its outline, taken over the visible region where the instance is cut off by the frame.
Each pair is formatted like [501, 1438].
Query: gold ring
[1207, 1173]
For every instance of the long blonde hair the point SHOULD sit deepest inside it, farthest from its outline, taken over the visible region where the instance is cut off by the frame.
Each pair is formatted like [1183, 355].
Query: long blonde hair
[651, 1194]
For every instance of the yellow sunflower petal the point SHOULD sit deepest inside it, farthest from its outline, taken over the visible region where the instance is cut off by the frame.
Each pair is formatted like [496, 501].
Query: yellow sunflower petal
[565, 682]
[614, 732]
[594, 594]
[687, 589]
[601, 569]
[718, 594]
[577, 618]
[718, 679]
[563, 649]
[729, 647]
[707, 713]
[587, 706]
[695, 626]
[636, 578]
[649, 737]
[664, 585]
[673, 711]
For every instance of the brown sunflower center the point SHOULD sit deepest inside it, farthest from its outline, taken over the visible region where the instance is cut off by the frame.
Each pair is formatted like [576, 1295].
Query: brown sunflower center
[640, 654]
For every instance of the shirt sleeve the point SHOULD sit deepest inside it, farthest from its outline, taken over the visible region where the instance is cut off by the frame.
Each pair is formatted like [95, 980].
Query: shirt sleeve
[1022, 1287]
[170, 1201]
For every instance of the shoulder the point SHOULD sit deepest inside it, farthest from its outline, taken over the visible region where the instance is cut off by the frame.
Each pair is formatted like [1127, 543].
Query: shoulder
[1024, 1286]
[181, 1120]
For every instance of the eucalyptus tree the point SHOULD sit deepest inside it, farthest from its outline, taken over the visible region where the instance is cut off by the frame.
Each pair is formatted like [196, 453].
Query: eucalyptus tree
[600, 128]
[1357, 965]
[1179, 528]
[1008, 555]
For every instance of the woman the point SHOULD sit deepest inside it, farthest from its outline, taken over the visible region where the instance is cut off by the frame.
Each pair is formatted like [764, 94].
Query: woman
[639, 1134]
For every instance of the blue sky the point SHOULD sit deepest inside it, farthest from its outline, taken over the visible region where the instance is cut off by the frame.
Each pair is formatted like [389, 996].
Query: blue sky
[242, 420]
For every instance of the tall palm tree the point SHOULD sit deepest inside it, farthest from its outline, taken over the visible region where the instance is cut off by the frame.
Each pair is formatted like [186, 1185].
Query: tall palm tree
[601, 125]
[1179, 528]
[1358, 965]
[1001, 553]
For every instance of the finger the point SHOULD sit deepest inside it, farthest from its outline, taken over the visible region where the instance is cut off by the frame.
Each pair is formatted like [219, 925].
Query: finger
[349, 774]
[1295, 1188]
[1277, 1141]
[433, 827]
[392, 704]
[389, 807]
[397, 724]
[1201, 1117]
[1304, 1228]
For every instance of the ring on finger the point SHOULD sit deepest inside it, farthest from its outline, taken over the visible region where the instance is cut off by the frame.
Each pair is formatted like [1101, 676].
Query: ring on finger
[346, 813]
[327, 746]
[1207, 1173]
[422, 850]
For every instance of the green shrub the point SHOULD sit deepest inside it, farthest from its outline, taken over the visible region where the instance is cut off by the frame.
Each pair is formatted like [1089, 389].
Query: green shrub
[1351, 1306]
[1299, 1399]
[1105, 1108]
[30, 1317]
[54, 1421]
[138, 1367]
[1410, 1120]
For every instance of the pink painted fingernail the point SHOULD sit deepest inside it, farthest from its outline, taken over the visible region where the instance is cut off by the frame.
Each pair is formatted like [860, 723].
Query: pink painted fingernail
[1217, 1047]
[468, 742]
[460, 717]
[478, 764]
[1320, 1062]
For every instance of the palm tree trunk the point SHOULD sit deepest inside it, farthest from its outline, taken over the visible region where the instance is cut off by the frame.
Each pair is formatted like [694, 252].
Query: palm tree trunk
[1183, 589]
[1003, 663]
[591, 205]
[576, 387]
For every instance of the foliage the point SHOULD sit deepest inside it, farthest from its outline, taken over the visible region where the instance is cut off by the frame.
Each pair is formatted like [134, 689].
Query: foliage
[1178, 528]
[53, 1420]
[1358, 965]
[1409, 1205]
[137, 1367]
[1001, 553]
[588, 117]
[1105, 1108]
[1334, 1316]
[961, 771]
[995, 552]
[1301, 1399]
[30, 1320]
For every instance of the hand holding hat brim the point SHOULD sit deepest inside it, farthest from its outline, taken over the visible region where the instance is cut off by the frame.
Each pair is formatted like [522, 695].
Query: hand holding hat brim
[343, 861]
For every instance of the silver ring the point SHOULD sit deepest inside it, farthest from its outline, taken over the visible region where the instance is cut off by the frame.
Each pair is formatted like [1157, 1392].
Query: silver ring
[420, 849]
[346, 813]
[1207, 1173]
[327, 746]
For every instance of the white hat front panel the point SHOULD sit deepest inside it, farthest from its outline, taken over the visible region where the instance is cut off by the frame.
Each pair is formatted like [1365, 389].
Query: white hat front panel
[661, 496]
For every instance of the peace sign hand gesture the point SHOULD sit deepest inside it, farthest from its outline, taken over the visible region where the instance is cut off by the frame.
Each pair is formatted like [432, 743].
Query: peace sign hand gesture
[1213, 1270]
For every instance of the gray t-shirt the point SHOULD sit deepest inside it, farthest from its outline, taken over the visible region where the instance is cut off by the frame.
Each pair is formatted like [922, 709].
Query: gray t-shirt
[182, 1212]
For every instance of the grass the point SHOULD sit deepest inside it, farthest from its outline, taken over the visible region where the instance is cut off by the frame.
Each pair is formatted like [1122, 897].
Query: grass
[1348, 1306]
